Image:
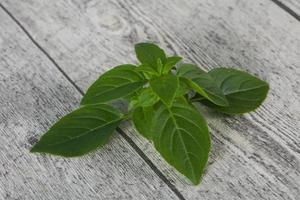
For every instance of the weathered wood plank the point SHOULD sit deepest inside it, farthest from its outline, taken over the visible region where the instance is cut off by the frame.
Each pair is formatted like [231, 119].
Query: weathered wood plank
[33, 95]
[293, 5]
[255, 156]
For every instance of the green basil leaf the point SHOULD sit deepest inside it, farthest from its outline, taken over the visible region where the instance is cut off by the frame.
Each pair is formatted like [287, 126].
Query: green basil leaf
[116, 83]
[148, 53]
[189, 71]
[147, 97]
[133, 103]
[145, 68]
[202, 83]
[165, 87]
[80, 132]
[183, 88]
[142, 118]
[159, 66]
[182, 138]
[170, 63]
[243, 91]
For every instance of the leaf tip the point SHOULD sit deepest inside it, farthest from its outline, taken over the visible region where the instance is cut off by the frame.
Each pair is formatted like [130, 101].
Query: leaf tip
[34, 149]
[141, 44]
[195, 182]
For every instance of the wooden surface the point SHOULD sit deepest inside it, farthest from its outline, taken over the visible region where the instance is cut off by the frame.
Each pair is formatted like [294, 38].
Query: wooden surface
[291, 6]
[34, 94]
[254, 156]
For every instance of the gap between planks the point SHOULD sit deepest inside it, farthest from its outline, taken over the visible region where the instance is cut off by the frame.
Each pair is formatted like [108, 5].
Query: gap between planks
[119, 130]
[286, 9]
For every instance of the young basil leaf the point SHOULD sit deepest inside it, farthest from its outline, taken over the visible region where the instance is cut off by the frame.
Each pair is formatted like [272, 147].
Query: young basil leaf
[243, 91]
[202, 83]
[182, 138]
[165, 87]
[170, 63]
[159, 66]
[148, 53]
[116, 83]
[147, 97]
[145, 68]
[189, 71]
[183, 87]
[80, 132]
[133, 103]
[142, 118]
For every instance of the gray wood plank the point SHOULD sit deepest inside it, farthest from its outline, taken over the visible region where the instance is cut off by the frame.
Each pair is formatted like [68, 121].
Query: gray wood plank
[33, 95]
[293, 5]
[255, 156]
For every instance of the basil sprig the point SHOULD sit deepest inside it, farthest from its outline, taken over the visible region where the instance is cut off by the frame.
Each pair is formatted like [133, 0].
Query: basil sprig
[160, 93]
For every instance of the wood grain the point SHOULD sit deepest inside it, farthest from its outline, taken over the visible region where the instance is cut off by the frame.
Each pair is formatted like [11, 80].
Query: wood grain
[254, 156]
[293, 5]
[33, 95]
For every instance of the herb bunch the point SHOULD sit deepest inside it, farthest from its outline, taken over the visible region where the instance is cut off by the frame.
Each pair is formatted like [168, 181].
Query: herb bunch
[160, 94]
